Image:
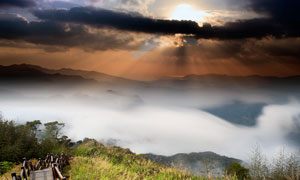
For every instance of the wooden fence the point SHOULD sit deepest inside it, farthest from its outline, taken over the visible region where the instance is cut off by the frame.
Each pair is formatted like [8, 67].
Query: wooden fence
[48, 168]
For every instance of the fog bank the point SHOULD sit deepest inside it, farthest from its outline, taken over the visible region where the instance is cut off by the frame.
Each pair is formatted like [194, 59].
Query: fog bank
[162, 130]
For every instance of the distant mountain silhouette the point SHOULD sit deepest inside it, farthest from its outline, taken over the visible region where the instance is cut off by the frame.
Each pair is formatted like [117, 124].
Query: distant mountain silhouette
[27, 71]
[230, 81]
[101, 77]
[36, 74]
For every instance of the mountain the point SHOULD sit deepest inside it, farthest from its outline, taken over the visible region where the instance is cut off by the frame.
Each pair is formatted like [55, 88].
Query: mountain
[28, 82]
[101, 77]
[27, 71]
[225, 81]
[36, 74]
[197, 163]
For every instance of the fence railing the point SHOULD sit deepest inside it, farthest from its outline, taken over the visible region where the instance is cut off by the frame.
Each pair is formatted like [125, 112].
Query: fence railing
[55, 162]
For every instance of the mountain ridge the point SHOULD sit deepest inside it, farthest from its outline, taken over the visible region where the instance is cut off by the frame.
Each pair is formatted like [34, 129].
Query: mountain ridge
[98, 76]
[70, 71]
[17, 73]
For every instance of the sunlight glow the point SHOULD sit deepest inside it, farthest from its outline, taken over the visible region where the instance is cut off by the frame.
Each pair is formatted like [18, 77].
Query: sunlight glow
[187, 12]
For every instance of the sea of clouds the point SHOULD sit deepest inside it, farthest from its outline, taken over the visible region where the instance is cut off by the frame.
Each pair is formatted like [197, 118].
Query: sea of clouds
[165, 130]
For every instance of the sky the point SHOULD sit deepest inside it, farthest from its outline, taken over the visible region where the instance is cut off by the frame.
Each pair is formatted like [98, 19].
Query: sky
[150, 39]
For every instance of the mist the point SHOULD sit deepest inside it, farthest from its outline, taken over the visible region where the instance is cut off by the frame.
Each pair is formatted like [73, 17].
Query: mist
[157, 122]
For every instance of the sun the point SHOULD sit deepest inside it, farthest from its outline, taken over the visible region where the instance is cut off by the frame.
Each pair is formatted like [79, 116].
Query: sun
[187, 12]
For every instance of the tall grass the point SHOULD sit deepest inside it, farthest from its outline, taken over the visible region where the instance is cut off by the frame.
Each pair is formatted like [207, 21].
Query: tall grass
[95, 161]
[294, 175]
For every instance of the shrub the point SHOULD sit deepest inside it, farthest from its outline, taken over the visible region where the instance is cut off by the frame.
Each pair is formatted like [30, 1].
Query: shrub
[5, 166]
[238, 170]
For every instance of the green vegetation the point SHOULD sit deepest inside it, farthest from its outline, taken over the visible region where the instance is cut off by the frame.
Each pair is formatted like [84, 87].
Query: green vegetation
[284, 166]
[30, 140]
[94, 161]
[238, 170]
[5, 166]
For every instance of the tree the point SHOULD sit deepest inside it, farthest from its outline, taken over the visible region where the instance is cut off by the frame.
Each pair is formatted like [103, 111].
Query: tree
[258, 164]
[52, 130]
[293, 162]
[34, 126]
[237, 169]
[279, 169]
[64, 140]
[209, 166]
[30, 140]
[285, 165]
[16, 141]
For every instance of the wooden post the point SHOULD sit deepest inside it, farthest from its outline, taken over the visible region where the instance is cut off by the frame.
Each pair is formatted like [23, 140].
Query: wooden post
[56, 163]
[57, 172]
[19, 177]
[53, 171]
[14, 176]
[51, 159]
[38, 164]
[31, 166]
[23, 173]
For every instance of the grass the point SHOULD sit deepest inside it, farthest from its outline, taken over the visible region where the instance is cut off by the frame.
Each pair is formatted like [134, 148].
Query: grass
[16, 168]
[95, 161]
[7, 175]
[294, 176]
[5, 166]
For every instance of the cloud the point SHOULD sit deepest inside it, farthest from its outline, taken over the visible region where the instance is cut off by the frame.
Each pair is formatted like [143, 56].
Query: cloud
[14, 27]
[118, 20]
[17, 3]
[253, 51]
[273, 36]
[283, 11]
[139, 6]
[241, 29]
[282, 20]
[157, 128]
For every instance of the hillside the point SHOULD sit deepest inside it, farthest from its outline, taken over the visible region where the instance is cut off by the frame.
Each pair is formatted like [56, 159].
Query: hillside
[88, 158]
[93, 160]
[196, 163]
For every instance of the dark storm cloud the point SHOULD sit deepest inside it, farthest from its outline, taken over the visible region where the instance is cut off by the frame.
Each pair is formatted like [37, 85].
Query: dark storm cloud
[17, 3]
[250, 51]
[284, 12]
[253, 28]
[275, 25]
[118, 20]
[282, 20]
[13, 27]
